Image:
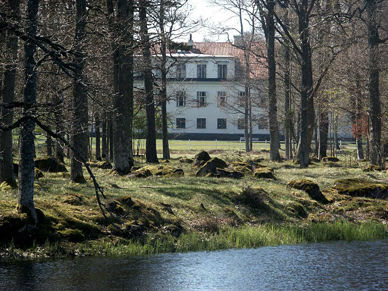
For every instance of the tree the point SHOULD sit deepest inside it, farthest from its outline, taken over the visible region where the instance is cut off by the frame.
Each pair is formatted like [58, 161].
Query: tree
[151, 155]
[122, 46]
[8, 92]
[80, 109]
[26, 151]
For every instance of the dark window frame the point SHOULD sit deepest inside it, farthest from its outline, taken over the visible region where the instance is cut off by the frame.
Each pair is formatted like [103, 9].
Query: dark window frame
[201, 71]
[222, 71]
[180, 123]
[201, 123]
[221, 123]
[201, 98]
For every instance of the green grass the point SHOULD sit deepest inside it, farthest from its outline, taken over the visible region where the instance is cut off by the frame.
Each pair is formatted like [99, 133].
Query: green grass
[207, 211]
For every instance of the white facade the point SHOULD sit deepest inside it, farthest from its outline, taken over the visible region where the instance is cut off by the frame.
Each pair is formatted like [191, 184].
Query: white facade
[204, 98]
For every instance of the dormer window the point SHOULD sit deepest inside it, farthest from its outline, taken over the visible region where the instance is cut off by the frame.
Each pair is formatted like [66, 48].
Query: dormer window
[222, 71]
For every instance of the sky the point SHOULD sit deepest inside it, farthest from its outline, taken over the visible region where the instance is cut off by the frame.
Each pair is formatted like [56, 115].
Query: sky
[213, 15]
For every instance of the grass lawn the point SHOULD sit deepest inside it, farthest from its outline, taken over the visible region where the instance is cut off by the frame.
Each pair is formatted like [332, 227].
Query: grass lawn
[185, 213]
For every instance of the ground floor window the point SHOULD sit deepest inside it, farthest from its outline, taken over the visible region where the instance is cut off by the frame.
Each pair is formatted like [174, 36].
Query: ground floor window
[201, 123]
[221, 123]
[181, 123]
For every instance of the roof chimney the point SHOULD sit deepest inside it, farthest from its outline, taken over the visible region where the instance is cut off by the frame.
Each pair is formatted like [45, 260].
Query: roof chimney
[190, 42]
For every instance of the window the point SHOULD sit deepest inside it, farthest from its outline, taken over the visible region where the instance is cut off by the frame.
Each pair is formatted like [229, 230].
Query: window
[158, 97]
[221, 98]
[262, 123]
[221, 123]
[181, 123]
[201, 123]
[240, 123]
[241, 98]
[222, 71]
[201, 99]
[201, 71]
[180, 71]
[180, 99]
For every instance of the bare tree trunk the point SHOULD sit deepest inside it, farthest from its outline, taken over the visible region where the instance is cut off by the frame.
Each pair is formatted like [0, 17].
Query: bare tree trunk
[49, 145]
[80, 126]
[110, 139]
[374, 94]
[273, 122]
[98, 136]
[8, 91]
[123, 82]
[287, 98]
[104, 138]
[166, 149]
[323, 132]
[151, 154]
[26, 151]
[307, 103]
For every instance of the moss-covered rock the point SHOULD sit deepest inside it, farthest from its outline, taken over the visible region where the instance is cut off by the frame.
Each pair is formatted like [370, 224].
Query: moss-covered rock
[220, 173]
[310, 187]
[201, 158]
[265, 172]
[210, 167]
[141, 173]
[50, 164]
[38, 174]
[101, 165]
[361, 188]
[242, 167]
[72, 235]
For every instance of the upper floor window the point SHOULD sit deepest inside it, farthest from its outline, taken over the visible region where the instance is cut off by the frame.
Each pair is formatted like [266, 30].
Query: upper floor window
[180, 72]
[221, 123]
[201, 99]
[222, 71]
[201, 71]
[262, 123]
[241, 123]
[241, 98]
[201, 123]
[221, 99]
[180, 99]
[181, 123]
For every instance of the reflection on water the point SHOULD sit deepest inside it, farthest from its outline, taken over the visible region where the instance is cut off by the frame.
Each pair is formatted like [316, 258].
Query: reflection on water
[324, 266]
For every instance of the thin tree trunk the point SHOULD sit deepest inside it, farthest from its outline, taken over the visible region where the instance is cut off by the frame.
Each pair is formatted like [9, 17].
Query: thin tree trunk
[8, 91]
[104, 144]
[166, 149]
[26, 152]
[79, 138]
[323, 132]
[273, 122]
[151, 154]
[287, 98]
[98, 136]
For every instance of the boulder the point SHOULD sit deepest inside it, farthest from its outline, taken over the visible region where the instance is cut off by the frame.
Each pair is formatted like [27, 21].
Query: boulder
[50, 164]
[210, 167]
[310, 187]
[201, 158]
[361, 188]
[141, 173]
[254, 197]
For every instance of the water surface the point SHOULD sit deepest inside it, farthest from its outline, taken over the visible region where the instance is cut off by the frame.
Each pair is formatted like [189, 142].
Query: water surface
[321, 266]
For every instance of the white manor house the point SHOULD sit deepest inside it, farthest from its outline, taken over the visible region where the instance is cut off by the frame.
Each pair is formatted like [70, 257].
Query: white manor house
[206, 94]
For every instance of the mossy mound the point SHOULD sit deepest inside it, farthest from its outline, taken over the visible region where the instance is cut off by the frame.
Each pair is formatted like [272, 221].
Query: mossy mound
[254, 197]
[372, 168]
[186, 160]
[297, 209]
[50, 164]
[73, 199]
[38, 174]
[242, 167]
[8, 185]
[229, 174]
[101, 165]
[361, 188]
[265, 172]
[141, 173]
[72, 235]
[20, 229]
[330, 159]
[168, 171]
[310, 187]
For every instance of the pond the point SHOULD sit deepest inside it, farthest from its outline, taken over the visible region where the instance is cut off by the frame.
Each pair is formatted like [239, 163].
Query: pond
[321, 266]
